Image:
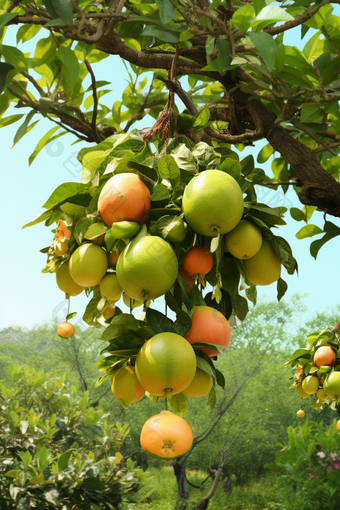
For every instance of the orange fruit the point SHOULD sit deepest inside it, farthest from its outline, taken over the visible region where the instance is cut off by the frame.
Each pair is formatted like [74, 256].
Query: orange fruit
[212, 203]
[112, 258]
[126, 387]
[166, 435]
[301, 392]
[124, 197]
[332, 385]
[66, 283]
[197, 260]
[88, 265]
[338, 424]
[301, 413]
[186, 277]
[244, 241]
[209, 326]
[65, 330]
[109, 312]
[63, 232]
[310, 384]
[324, 356]
[265, 267]
[166, 364]
[200, 386]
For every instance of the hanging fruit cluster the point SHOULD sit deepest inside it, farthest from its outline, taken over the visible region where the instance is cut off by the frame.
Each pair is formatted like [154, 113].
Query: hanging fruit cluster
[317, 372]
[140, 226]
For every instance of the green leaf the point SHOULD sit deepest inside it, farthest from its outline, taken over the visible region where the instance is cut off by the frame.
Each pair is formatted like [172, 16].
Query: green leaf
[45, 104]
[45, 140]
[42, 456]
[267, 47]
[220, 379]
[26, 458]
[169, 170]
[308, 231]
[243, 17]
[157, 321]
[300, 353]
[94, 484]
[281, 288]
[5, 18]
[63, 460]
[265, 153]
[297, 214]
[202, 118]
[212, 398]
[82, 403]
[42, 217]
[224, 56]
[316, 245]
[70, 315]
[15, 57]
[178, 404]
[70, 68]
[210, 44]
[27, 32]
[160, 192]
[166, 10]
[163, 34]
[60, 9]
[123, 321]
[64, 191]
[45, 51]
[4, 70]
[311, 113]
[268, 15]
[204, 363]
[23, 128]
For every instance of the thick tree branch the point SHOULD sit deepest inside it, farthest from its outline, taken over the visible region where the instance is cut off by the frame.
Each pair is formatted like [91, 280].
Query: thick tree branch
[293, 23]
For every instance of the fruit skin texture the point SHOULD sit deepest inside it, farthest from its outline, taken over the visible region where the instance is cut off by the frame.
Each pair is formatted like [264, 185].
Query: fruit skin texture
[244, 241]
[338, 424]
[125, 229]
[166, 436]
[124, 197]
[200, 386]
[178, 232]
[110, 288]
[186, 277]
[166, 364]
[331, 385]
[197, 260]
[112, 258]
[88, 265]
[301, 392]
[212, 202]
[209, 326]
[310, 384]
[324, 356]
[126, 387]
[265, 267]
[147, 268]
[301, 413]
[65, 281]
[321, 394]
[65, 329]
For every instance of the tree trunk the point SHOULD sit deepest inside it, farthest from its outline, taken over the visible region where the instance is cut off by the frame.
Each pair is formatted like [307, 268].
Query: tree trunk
[182, 484]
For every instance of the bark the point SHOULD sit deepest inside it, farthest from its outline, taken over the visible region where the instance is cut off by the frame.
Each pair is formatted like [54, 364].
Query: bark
[182, 484]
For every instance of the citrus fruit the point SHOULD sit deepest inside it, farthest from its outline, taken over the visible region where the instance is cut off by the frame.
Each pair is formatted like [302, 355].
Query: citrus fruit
[88, 265]
[321, 394]
[134, 303]
[65, 329]
[124, 197]
[310, 384]
[109, 240]
[186, 277]
[177, 233]
[112, 258]
[147, 267]
[301, 413]
[110, 288]
[244, 241]
[60, 247]
[166, 435]
[109, 312]
[126, 387]
[324, 356]
[265, 267]
[63, 231]
[166, 364]
[212, 203]
[66, 283]
[197, 260]
[331, 385]
[125, 229]
[210, 326]
[300, 392]
[200, 386]
[338, 424]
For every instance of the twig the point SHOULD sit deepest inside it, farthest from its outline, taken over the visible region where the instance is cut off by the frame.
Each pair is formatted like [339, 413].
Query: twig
[95, 101]
[293, 23]
[68, 129]
[35, 83]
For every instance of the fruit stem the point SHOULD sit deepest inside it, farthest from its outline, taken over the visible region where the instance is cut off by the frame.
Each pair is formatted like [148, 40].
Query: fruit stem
[166, 404]
[68, 307]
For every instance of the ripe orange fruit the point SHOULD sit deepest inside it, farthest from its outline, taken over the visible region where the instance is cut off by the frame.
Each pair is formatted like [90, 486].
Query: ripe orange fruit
[166, 435]
[197, 260]
[324, 356]
[166, 364]
[212, 203]
[65, 330]
[63, 232]
[338, 424]
[88, 265]
[124, 197]
[301, 413]
[186, 277]
[126, 387]
[109, 312]
[310, 384]
[66, 283]
[244, 241]
[200, 386]
[112, 258]
[209, 326]
[265, 267]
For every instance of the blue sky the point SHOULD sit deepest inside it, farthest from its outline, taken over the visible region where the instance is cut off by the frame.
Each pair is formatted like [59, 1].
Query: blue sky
[29, 297]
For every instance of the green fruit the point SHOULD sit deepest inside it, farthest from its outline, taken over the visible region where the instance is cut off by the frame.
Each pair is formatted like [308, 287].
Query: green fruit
[134, 302]
[265, 267]
[301, 392]
[66, 283]
[177, 233]
[310, 384]
[125, 229]
[110, 288]
[332, 385]
[147, 267]
[244, 241]
[212, 203]
[88, 265]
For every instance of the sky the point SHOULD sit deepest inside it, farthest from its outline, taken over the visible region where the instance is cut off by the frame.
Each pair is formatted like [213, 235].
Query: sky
[29, 297]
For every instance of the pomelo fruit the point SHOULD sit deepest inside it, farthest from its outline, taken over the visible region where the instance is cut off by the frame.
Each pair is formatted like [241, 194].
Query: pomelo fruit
[166, 364]
[177, 233]
[65, 329]
[126, 387]
[321, 394]
[300, 392]
[88, 265]
[210, 326]
[110, 288]
[124, 197]
[166, 435]
[200, 386]
[265, 267]
[324, 356]
[147, 267]
[331, 385]
[244, 241]
[197, 260]
[212, 203]
[310, 384]
[66, 283]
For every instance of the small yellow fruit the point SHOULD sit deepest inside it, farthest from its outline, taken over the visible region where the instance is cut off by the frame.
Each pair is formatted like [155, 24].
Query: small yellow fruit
[66, 283]
[301, 413]
[200, 386]
[300, 392]
[65, 329]
[265, 267]
[126, 387]
[244, 241]
[321, 394]
[135, 303]
[88, 265]
[110, 288]
[310, 384]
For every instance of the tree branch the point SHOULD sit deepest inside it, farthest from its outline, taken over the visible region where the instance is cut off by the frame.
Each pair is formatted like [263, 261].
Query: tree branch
[95, 101]
[293, 23]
